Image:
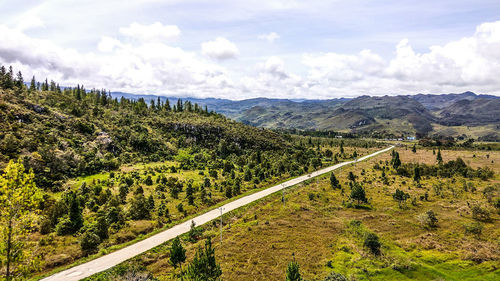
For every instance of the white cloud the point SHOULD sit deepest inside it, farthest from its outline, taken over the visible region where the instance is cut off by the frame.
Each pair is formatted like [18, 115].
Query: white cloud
[107, 44]
[270, 37]
[471, 63]
[153, 32]
[145, 67]
[219, 49]
[153, 66]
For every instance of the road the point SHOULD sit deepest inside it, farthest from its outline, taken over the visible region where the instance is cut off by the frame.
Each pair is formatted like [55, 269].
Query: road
[108, 261]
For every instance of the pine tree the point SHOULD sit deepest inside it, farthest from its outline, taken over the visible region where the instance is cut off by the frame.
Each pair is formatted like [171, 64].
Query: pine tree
[351, 177]
[33, 84]
[358, 193]
[19, 80]
[396, 162]
[204, 266]
[334, 183]
[177, 253]
[439, 158]
[416, 174]
[151, 202]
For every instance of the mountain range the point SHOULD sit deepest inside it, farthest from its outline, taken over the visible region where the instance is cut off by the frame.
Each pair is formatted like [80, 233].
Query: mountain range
[465, 115]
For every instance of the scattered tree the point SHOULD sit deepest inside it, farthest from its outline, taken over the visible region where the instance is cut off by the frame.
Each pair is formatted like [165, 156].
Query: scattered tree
[19, 198]
[177, 253]
[204, 266]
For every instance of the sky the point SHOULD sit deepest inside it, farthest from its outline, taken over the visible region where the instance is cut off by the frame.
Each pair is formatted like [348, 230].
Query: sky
[261, 48]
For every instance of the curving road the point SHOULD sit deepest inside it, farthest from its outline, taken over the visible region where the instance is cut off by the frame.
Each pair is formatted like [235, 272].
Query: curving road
[105, 262]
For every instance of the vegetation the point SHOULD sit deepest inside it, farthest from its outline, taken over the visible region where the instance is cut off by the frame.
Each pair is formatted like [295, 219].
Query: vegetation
[112, 170]
[293, 272]
[19, 199]
[204, 266]
[435, 238]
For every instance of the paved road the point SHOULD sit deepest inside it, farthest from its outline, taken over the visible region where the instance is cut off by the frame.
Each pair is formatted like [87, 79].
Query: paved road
[105, 262]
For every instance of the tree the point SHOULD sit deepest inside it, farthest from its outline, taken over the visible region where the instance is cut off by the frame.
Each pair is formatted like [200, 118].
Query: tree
[194, 233]
[177, 253]
[439, 158]
[358, 193]
[33, 84]
[396, 162]
[75, 212]
[89, 241]
[204, 266]
[400, 196]
[342, 147]
[416, 174]
[189, 194]
[351, 177]
[139, 208]
[19, 80]
[19, 198]
[372, 243]
[229, 192]
[148, 180]
[293, 272]
[151, 202]
[334, 183]
[414, 149]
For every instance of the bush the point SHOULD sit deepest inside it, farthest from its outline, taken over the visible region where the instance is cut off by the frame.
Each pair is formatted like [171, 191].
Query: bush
[372, 243]
[428, 219]
[480, 214]
[474, 228]
[65, 226]
[334, 276]
[89, 242]
[139, 208]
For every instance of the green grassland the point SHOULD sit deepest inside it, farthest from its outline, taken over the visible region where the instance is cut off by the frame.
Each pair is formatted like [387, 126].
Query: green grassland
[323, 234]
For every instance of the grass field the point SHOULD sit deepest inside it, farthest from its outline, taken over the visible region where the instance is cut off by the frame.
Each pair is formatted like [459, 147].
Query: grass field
[315, 228]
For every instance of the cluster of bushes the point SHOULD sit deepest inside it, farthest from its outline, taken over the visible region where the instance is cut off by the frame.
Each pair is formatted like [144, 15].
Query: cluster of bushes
[447, 170]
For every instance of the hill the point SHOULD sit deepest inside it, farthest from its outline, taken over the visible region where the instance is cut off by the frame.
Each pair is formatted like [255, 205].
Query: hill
[387, 116]
[474, 112]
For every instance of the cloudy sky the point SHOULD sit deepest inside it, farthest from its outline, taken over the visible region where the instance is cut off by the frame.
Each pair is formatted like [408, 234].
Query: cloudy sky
[260, 48]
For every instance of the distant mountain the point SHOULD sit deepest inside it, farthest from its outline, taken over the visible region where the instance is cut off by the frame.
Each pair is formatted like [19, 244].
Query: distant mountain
[476, 112]
[436, 102]
[379, 116]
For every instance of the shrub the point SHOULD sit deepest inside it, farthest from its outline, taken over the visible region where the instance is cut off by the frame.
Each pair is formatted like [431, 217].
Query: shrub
[372, 243]
[334, 276]
[474, 228]
[480, 214]
[139, 208]
[89, 242]
[293, 272]
[428, 219]
[400, 196]
[64, 226]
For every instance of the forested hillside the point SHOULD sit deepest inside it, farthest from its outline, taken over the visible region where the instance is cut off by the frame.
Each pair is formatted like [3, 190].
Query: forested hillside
[63, 133]
[108, 171]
